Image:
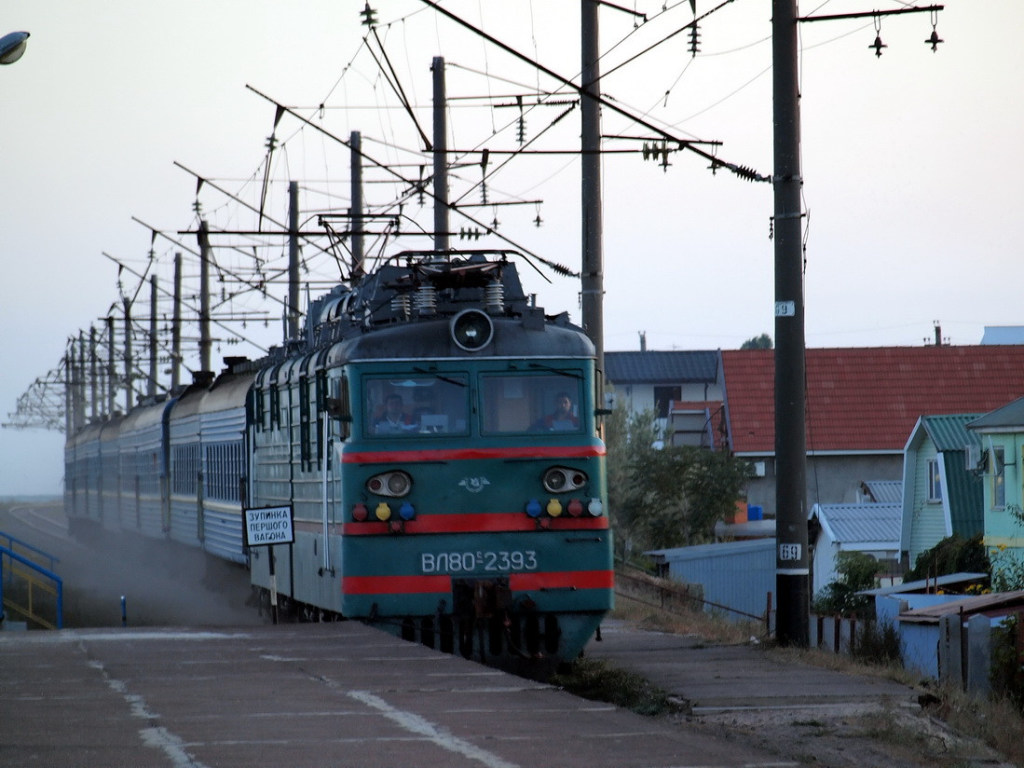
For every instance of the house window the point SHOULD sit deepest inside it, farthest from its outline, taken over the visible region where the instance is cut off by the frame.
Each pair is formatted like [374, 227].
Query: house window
[998, 478]
[663, 396]
[934, 483]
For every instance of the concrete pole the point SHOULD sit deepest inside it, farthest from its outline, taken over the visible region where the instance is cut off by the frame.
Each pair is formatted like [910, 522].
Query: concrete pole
[356, 212]
[293, 260]
[151, 386]
[792, 571]
[440, 157]
[592, 281]
[205, 343]
[128, 379]
[111, 368]
[94, 378]
[176, 327]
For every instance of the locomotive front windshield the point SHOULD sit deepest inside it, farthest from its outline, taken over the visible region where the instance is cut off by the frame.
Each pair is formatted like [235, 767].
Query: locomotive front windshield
[413, 405]
[518, 403]
[510, 404]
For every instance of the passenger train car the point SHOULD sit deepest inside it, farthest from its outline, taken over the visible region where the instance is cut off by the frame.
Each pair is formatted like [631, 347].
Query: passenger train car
[434, 437]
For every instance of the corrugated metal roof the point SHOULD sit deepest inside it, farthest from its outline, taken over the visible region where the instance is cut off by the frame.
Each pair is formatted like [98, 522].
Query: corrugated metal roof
[923, 585]
[950, 433]
[1010, 415]
[661, 367]
[966, 501]
[861, 523]
[724, 549]
[869, 398]
[995, 604]
[885, 491]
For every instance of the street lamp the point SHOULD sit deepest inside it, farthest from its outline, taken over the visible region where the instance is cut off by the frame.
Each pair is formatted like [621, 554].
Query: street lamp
[12, 46]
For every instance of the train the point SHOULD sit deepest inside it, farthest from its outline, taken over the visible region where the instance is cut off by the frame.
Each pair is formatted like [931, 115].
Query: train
[432, 440]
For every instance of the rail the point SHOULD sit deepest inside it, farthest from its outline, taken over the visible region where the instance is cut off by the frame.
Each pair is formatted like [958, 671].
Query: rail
[25, 546]
[33, 587]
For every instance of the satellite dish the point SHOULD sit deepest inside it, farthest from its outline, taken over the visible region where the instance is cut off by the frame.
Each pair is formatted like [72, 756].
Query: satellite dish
[12, 46]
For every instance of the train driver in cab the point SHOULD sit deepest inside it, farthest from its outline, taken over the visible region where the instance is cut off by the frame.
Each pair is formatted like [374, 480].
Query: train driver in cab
[561, 418]
[394, 420]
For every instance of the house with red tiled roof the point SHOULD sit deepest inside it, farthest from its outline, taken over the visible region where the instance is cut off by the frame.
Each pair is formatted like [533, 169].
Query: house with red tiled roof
[862, 405]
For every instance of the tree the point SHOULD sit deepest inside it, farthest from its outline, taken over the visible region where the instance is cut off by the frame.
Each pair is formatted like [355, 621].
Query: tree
[666, 496]
[764, 341]
[855, 572]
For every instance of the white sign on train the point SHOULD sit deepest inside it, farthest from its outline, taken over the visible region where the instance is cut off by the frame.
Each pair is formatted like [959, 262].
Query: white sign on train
[268, 525]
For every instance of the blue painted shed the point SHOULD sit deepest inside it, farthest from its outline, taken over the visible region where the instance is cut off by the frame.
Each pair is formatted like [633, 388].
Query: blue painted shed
[737, 576]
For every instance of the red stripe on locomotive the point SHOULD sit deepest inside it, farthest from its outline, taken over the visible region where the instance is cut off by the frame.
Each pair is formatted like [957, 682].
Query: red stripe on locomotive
[486, 522]
[518, 582]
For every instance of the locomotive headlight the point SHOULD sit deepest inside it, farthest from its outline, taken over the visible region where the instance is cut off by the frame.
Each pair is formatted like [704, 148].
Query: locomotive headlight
[563, 480]
[395, 484]
[471, 330]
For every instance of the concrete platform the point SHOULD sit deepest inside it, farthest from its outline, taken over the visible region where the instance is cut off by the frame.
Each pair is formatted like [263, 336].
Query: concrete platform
[720, 678]
[306, 695]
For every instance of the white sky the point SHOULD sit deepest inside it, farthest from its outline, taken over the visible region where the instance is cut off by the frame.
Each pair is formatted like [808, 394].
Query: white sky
[911, 163]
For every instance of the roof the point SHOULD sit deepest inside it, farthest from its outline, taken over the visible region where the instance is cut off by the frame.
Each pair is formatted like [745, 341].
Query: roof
[994, 604]
[723, 549]
[1003, 334]
[923, 585]
[884, 491]
[949, 433]
[852, 524]
[661, 367]
[1010, 416]
[868, 399]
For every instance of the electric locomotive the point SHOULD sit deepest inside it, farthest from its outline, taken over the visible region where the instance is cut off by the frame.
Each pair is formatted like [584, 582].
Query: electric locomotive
[435, 437]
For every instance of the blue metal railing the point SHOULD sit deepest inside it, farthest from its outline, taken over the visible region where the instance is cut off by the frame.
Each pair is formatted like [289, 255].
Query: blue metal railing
[35, 576]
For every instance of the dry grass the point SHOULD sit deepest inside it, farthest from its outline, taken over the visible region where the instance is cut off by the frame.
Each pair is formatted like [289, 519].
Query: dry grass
[712, 629]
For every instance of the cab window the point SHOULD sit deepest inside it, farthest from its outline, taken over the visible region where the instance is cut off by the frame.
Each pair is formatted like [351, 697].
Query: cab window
[415, 405]
[530, 404]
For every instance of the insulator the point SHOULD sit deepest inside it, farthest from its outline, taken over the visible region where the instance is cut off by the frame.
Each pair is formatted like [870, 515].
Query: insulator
[400, 305]
[426, 300]
[369, 16]
[494, 297]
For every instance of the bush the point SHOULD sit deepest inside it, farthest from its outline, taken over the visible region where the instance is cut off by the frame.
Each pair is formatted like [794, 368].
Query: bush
[878, 644]
[1007, 675]
[856, 572]
[954, 554]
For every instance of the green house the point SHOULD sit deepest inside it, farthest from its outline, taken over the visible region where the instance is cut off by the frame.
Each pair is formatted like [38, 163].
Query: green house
[942, 495]
[1000, 461]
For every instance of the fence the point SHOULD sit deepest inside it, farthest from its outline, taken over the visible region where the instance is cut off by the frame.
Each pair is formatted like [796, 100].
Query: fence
[678, 597]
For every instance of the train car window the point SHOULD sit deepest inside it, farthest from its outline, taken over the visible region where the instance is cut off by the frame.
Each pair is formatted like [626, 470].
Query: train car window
[530, 404]
[416, 405]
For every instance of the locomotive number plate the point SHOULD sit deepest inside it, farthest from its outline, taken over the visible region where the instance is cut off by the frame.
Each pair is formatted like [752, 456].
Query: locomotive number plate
[479, 561]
